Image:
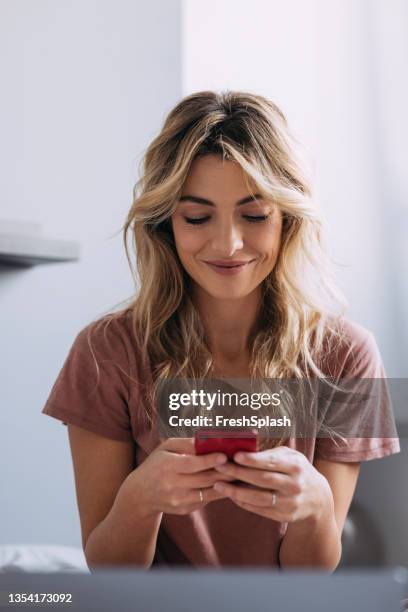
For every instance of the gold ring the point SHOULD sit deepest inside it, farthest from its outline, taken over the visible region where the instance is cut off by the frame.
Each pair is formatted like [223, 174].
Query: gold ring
[201, 495]
[273, 499]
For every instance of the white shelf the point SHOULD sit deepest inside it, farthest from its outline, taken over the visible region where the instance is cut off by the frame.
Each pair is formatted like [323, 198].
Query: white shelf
[23, 245]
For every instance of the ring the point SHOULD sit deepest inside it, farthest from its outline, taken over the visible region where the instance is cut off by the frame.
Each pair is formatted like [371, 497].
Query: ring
[273, 499]
[201, 495]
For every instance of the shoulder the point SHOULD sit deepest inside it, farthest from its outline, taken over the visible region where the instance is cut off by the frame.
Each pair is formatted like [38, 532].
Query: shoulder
[108, 336]
[354, 336]
[93, 389]
[350, 349]
[106, 344]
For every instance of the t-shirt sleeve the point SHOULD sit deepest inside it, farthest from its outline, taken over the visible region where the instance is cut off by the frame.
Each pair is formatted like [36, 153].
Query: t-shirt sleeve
[91, 390]
[365, 419]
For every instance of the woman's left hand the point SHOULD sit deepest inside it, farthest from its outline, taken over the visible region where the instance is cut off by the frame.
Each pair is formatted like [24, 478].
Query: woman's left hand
[301, 492]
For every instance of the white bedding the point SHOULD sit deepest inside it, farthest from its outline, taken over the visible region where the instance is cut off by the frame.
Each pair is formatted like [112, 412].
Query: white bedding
[41, 558]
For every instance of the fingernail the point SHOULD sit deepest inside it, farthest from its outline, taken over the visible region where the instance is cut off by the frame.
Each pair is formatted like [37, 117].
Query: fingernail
[221, 468]
[219, 487]
[239, 457]
[221, 459]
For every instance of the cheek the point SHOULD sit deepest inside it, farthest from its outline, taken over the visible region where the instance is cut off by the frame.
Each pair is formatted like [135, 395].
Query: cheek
[188, 240]
[266, 243]
[191, 243]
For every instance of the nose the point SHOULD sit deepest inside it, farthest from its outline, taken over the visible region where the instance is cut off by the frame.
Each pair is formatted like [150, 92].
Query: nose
[227, 238]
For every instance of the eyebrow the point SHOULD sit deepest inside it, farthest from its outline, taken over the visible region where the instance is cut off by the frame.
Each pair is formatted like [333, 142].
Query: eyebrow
[198, 200]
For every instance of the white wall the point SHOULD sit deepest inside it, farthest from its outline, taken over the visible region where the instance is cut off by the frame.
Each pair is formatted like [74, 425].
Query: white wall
[337, 70]
[85, 86]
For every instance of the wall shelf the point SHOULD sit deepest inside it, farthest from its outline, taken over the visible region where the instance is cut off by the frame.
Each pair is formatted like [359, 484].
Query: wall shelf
[22, 245]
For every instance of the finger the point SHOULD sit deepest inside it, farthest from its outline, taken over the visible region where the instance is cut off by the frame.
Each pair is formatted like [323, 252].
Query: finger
[202, 479]
[209, 495]
[189, 464]
[264, 479]
[246, 494]
[262, 511]
[184, 450]
[280, 511]
[179, 445]
[279, 459]
[192, 499]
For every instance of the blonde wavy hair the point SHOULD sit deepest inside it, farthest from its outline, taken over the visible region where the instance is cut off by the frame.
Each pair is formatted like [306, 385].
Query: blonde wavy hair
[297, 325]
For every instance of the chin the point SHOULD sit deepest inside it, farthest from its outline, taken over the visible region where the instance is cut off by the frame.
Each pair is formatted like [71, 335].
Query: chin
[225, 293]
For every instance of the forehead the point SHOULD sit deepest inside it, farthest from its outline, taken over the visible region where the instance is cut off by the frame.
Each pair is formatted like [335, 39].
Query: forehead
[212, 173]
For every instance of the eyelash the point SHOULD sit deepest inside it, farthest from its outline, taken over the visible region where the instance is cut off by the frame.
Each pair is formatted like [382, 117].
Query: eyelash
[200, 220]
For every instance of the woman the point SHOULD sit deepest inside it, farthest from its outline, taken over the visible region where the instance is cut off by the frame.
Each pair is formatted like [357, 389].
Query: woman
[223, 185]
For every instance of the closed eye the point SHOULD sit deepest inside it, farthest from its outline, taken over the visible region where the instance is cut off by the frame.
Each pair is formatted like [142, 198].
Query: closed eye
[255, 219]
[196, 220]
[250, 218]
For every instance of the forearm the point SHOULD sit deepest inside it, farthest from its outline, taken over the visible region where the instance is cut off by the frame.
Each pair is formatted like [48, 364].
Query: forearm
[314, 542]
[127, 536]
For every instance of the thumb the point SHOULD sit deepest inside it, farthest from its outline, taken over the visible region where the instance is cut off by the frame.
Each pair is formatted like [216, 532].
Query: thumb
[179, 445]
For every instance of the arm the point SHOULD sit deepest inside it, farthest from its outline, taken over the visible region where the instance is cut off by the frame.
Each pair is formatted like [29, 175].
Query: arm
[316, 541]
[127, 536]
[116, 529]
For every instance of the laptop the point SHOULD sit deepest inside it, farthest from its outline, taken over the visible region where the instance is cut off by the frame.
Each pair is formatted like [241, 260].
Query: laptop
[209, 590]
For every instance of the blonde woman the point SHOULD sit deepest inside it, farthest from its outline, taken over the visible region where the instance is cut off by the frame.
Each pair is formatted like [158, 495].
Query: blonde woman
[234, 283]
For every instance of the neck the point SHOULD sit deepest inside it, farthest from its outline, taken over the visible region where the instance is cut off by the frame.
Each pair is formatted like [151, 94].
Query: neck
[228, 323]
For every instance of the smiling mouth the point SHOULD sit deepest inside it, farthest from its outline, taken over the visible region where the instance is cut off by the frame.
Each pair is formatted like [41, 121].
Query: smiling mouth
[231, 265]
[228, 270]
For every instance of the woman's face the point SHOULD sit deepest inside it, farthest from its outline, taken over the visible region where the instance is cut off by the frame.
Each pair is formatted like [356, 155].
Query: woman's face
[217, 221]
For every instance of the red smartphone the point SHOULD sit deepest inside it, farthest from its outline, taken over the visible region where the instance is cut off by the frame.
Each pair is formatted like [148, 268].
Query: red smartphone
[228, 442]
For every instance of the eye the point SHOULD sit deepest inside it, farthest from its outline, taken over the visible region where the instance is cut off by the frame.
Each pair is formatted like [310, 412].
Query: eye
[250, 218]
[257, 219]
[196, 220]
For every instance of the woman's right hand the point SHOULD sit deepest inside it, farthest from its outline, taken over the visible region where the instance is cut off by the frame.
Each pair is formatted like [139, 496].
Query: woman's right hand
[170, 478]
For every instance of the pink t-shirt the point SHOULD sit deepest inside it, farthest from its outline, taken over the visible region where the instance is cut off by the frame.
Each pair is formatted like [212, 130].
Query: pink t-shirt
[220, 533]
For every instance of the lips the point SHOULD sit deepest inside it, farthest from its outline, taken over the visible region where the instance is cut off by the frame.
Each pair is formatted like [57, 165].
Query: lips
[227, 264]
[230, 268]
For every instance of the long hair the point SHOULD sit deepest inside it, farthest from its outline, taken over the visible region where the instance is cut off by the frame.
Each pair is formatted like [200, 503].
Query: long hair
[297, 322]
